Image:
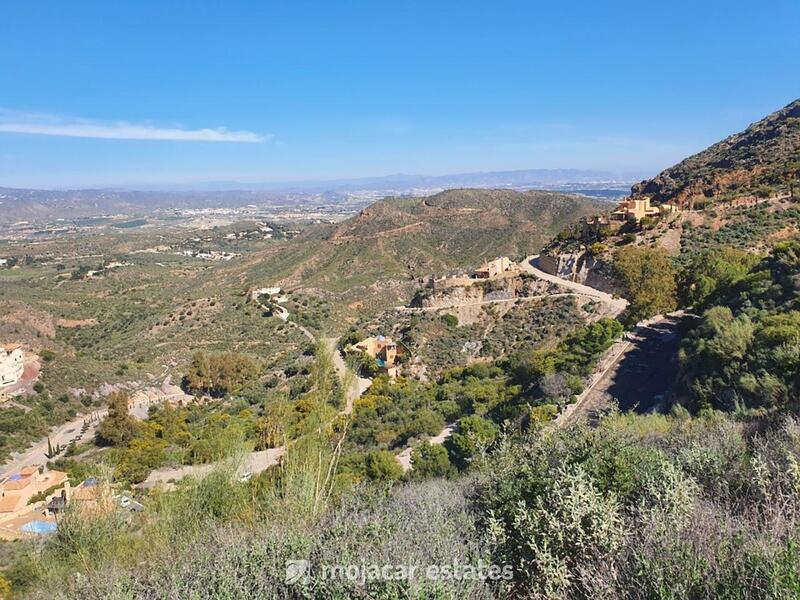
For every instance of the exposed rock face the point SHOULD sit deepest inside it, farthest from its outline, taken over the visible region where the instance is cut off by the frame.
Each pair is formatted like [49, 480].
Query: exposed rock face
[580, 267]
[761, 159]
[473, 292]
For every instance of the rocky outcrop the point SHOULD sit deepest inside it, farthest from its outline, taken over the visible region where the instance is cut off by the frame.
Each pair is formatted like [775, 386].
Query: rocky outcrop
[580, 267]
[762, 159]
[474, 291]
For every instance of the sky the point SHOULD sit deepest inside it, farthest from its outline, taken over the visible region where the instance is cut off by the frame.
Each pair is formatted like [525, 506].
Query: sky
[125, 93]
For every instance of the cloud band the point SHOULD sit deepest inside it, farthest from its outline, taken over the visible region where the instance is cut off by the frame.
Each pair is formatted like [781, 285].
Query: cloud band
[11, 122]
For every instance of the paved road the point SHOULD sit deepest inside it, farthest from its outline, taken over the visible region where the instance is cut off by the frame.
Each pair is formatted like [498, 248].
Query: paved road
[35, 455]
[640, 377]
[140, 404]
[530, 265]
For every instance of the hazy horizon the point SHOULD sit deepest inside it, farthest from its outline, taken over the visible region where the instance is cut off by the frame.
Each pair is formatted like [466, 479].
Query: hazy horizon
[553, 176]
[128, 93]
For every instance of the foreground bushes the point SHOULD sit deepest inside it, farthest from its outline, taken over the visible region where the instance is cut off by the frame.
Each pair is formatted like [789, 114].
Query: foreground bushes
[647, 507]
[639, 507]
[744, 350]
[425, 524]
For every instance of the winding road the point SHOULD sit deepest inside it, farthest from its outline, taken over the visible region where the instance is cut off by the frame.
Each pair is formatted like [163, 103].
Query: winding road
[62, 435]
[530, 265]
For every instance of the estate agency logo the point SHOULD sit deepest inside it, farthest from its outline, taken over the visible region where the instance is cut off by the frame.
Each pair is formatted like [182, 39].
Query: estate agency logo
[297, 571]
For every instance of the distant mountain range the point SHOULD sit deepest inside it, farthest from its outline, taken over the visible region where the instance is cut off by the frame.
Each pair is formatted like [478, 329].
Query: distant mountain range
[42, 205]
[764, 160]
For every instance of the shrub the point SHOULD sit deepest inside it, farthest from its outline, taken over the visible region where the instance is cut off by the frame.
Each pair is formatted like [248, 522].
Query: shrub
[430, 460]
[382, 466]
[473, 436]
[118, 427]
[648, 277]
[450, 320]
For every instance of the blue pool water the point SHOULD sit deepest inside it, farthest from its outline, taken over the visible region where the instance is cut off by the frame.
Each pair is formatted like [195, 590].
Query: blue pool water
[39, 527]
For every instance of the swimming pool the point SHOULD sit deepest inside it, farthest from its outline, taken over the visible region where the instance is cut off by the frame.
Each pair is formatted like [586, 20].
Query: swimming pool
[39, 527]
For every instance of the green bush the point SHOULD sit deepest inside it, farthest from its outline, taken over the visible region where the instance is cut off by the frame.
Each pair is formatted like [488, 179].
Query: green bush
[430, 460]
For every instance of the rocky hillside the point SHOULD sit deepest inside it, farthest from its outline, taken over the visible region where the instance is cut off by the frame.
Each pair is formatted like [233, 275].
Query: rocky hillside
[762, 160]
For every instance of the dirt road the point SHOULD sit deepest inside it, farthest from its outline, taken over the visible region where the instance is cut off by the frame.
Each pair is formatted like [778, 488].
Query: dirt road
[256, 462]
[357, 385]
[404, 457]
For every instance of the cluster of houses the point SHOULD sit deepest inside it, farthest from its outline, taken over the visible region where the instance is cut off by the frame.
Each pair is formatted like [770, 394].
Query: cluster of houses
[31, 499]
[210, 254]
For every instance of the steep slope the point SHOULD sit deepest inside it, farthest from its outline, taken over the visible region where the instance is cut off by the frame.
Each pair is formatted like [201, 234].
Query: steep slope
[764, 160]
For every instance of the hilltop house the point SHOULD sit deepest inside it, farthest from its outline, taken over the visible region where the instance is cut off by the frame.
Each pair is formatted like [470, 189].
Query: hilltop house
[11, 364]
[634, 209]
[495, 267]
[17, 488]
[383, 349]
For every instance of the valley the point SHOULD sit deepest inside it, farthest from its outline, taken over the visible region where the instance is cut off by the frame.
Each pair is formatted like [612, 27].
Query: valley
[519, 358]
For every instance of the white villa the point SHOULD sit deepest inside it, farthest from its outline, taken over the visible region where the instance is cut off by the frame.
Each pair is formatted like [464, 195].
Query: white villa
[11, 364]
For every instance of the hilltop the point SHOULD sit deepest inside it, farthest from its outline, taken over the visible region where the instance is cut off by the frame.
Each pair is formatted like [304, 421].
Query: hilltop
[763, 160]
[404, 239]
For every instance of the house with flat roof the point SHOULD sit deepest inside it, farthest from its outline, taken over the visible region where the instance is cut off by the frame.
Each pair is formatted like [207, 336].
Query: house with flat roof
[495, 267]
[383, 349]
[17, 488]
[634, 209]
[11, 364]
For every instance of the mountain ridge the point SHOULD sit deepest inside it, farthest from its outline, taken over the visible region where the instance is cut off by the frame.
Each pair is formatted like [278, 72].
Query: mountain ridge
[762, 160]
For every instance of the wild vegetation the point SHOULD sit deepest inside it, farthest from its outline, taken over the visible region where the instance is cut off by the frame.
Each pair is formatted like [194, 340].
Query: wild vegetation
[525, 388]
[636, 507]
[698, 503]
[744, 350]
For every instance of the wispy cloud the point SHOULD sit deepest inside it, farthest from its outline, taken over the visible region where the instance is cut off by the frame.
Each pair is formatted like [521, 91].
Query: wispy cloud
[48, 124]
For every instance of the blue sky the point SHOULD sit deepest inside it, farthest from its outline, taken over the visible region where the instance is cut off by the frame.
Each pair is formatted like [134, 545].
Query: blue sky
[120, 93]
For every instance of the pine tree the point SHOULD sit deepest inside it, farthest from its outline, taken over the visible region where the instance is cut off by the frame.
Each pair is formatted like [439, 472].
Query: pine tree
[118, 428]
